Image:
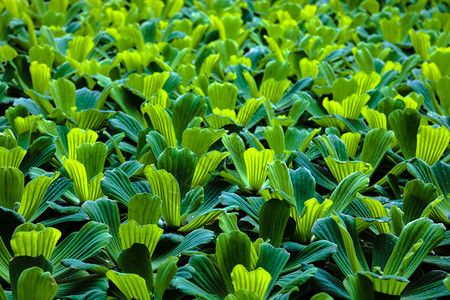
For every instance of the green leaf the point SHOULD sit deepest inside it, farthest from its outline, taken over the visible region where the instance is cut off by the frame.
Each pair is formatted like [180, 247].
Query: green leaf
[85, 190]
[131, 285]
[236, 148]
[341, 230]
[11, 183]
[272, 260]
[137, 260]
[387, 284]
[63, 92]
[228, 222]
[431, 143]
[280, 180]
[40, 151]
[429, 286]
[131, 233]
[199, 140]
[185, 109]
[341, 169]
[375, 146]
[206, 164]
[232, 249]
[11, 158]
[204, 279]
[222, 96]
[316, 251]
[93, 157]
[116, 185]
[301, 160]
[33, 195]
[294, 280]
[312, 211]
[77, 137]
[148, 85]
[106, 211]
[86, 287]
[273, 218]
[80, 245]
[359, 287]
[275, 138]
[243, 295]
[181, 164]
[346, 191]
[405, 124]
[164, 276]
[416, 197]
[321, 296]
[421, 233]
[376, 210]
[193, 240]
[34, 240]
[35, 284]
[164, 185]
[144, 209]
[18, 264]
[256, 281]
[162, 123]
[256, 166]
[201, 220]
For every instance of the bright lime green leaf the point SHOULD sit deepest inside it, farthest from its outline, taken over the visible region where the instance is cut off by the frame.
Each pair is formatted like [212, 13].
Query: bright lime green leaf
[274, 90]
[199, 140]
[77, 137]
[256, 165]
[34, 240]
[206, 164]
[375, 118]
[431, 143]
[11, 186]
[222, 96]
[131, 233]
[275, 138]
[376, 210]
[63, 93]
[280, 179]
[79, 48]
[162, 122]
[40, 76]
[387, 284]
[366, 82]
[351, 140]
[131, 285]
[421, 43]
[164, 185]
[11, 158]
[312, 211]
[201, 221]
[247, 111]
[33, 194]
[148, 85]
[256, 281]
[341, 170]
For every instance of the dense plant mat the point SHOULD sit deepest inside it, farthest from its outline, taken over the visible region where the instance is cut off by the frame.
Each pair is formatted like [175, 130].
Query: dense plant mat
[224, 149]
